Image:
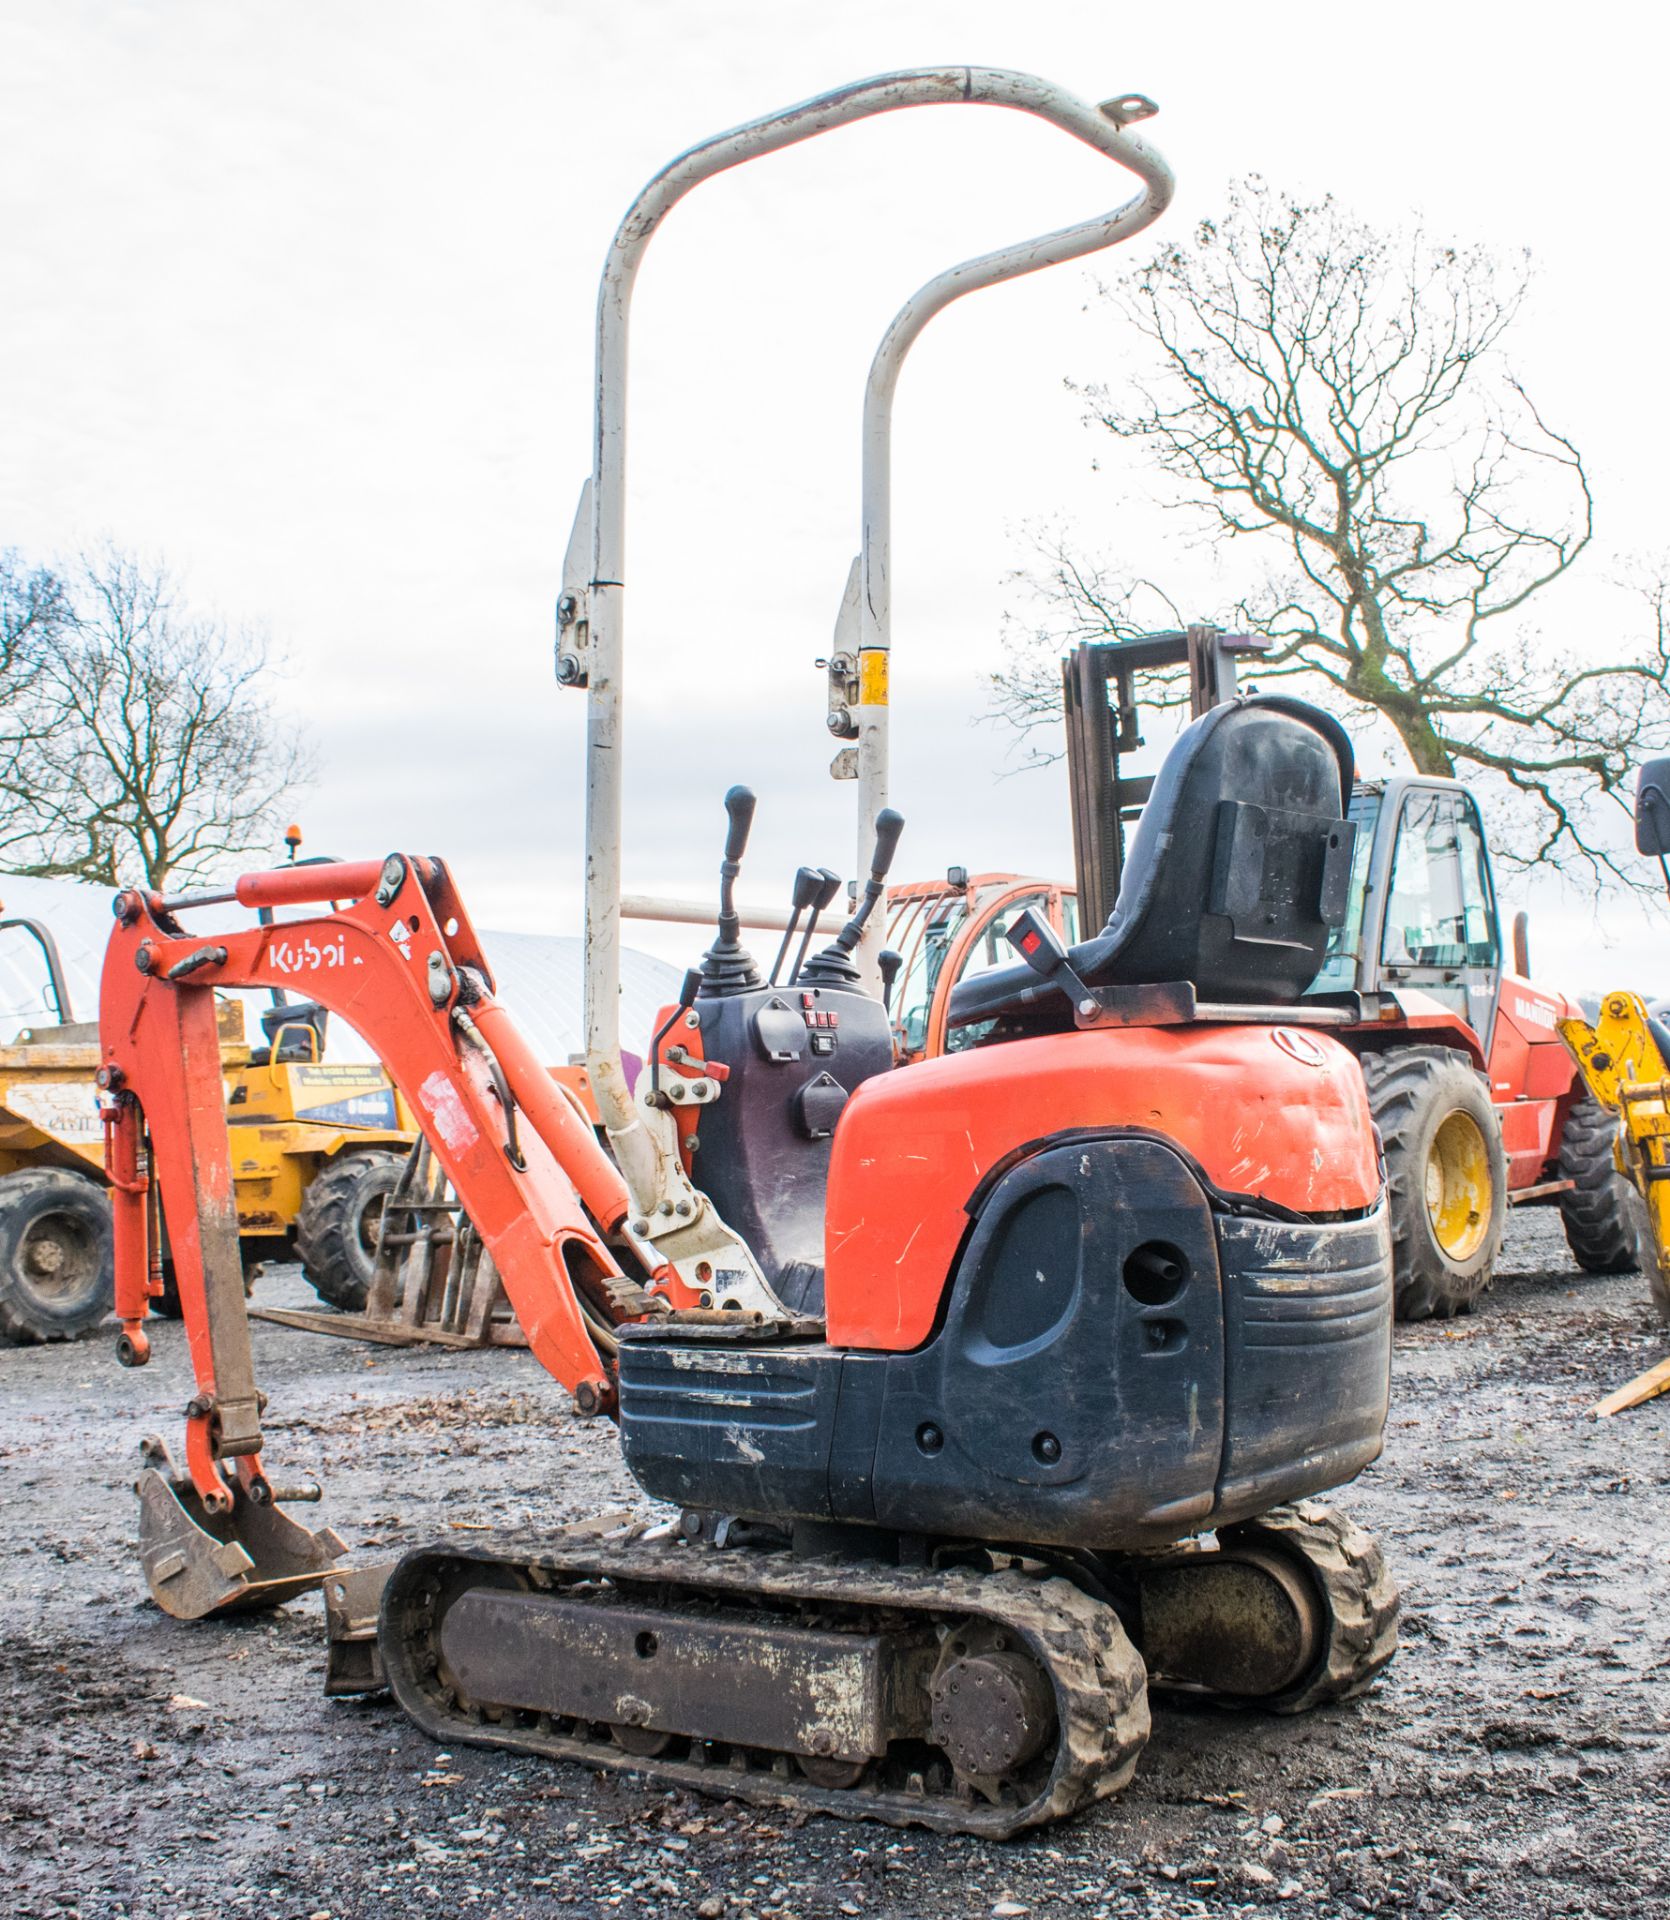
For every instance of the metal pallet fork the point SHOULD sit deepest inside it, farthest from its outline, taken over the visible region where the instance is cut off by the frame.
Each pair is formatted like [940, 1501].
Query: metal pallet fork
[434, 1281]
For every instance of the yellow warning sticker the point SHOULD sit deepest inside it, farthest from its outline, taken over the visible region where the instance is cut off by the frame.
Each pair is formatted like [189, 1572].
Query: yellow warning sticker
[872, 677]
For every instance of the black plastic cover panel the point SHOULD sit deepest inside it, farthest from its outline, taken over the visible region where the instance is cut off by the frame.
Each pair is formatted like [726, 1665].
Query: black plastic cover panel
[795, 1057]
[1118, 1366]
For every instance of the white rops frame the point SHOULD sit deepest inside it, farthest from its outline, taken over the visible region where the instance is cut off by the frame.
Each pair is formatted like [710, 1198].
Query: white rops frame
[591, 639]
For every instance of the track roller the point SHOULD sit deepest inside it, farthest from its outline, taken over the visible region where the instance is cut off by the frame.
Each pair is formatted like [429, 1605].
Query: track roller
[1289, 1611]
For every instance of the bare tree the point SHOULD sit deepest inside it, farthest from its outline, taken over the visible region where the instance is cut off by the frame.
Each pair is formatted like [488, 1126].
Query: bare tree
[1331, 402]
[32, 613]
[161, 758]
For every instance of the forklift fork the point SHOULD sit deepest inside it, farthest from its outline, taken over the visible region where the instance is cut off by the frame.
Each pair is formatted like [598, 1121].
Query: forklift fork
[433, 1281]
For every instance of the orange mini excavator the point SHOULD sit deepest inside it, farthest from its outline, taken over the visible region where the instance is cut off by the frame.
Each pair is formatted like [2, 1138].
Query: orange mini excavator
[985, 1394]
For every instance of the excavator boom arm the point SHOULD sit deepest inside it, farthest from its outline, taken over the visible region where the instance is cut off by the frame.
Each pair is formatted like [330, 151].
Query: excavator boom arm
[400, 963]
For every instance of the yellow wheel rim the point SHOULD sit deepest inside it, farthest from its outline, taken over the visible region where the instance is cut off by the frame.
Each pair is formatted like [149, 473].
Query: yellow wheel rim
[1458, 1195]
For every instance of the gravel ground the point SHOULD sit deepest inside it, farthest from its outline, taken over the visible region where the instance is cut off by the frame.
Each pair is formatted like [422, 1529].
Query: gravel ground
[1516, 1760]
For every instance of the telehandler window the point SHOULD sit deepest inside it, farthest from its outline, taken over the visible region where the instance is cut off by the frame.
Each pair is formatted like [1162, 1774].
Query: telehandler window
[1439, 912]
[1345, 942]
[916, 992]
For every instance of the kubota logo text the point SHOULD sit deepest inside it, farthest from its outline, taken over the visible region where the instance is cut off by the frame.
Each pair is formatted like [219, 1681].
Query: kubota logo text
[304, 956]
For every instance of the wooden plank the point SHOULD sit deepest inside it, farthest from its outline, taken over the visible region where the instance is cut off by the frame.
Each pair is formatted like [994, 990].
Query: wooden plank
[387, 1333]
[1545, 1190]
[1643, 1387]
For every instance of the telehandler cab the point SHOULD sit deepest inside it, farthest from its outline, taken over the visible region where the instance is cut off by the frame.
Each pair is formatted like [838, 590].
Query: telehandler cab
[1474, 1093]
[986, 1392]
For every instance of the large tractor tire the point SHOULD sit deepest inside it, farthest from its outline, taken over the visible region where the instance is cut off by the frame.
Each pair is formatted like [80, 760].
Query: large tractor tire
[336, 1230]
[56, 1266]
[1604, 1217]
[1446, 1177]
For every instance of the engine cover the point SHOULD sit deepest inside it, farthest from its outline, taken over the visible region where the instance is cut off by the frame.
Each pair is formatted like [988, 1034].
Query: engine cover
[1274, 1112]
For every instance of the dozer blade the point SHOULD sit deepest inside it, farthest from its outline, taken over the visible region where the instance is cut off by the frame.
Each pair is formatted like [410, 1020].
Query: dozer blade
[198, 1564]
[353, 1660]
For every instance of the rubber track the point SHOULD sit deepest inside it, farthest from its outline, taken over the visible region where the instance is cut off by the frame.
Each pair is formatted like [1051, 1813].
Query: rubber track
[1596, 1212]
[1395, 1081]
[1099, 1679]
[1362, 1598]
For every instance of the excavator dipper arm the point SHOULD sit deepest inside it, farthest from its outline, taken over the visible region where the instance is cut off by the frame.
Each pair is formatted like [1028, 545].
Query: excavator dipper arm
[401, 964]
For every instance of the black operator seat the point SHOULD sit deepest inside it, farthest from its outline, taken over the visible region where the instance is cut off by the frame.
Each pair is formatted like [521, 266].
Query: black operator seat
[1237, 873]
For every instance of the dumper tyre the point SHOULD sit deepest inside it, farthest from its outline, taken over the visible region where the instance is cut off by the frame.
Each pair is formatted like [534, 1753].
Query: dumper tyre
[1604, 1217]
[57, 1275]
[336, 1230]
[1446, 1177]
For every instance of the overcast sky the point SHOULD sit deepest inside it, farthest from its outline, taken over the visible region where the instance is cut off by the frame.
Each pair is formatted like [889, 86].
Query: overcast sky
[300, 297]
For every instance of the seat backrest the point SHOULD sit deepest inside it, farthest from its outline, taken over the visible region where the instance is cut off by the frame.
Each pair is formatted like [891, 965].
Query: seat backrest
[1238, 869]
[1239, 865]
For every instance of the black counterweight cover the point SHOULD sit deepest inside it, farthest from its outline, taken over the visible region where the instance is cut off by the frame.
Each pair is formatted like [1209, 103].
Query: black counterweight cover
[1122, 1361]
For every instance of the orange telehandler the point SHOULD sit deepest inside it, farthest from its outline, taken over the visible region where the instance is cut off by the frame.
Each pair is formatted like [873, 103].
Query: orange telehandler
[985, 1393]
[1475, 1095]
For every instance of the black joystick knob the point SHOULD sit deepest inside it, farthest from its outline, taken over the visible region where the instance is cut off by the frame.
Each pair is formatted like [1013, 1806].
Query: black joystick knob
[807, 882]
[727, 966]
[889, 961]
[889, 825]
[834, 966]
[739, 804]
[829, 884]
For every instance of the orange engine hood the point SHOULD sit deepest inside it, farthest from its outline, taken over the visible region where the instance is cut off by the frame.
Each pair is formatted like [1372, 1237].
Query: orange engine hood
[1278, 1112]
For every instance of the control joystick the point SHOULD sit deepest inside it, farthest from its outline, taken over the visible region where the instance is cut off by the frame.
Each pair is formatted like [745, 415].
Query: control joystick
[727, 966]
[834, 966]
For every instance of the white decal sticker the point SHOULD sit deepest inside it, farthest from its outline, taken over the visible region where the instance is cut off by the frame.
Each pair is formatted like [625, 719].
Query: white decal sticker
[66, 1109]
[1536, 1011]
[304, 956]
[439, 1098]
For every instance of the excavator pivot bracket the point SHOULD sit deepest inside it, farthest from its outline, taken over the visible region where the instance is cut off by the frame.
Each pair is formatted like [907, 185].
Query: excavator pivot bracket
[391, 880]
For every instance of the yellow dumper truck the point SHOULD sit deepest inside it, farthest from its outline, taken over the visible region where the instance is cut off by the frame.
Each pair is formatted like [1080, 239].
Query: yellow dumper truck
[316, 1147]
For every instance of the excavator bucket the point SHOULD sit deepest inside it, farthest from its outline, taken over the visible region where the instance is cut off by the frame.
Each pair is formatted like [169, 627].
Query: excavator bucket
[197, 1563]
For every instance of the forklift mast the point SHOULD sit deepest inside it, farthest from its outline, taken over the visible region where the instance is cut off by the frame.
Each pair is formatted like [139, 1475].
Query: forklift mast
[1101, 707]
